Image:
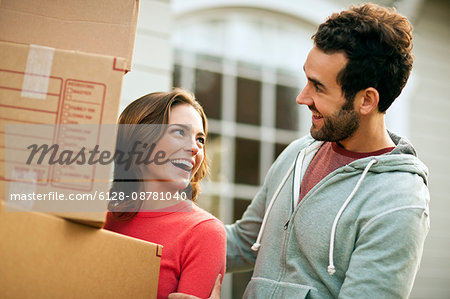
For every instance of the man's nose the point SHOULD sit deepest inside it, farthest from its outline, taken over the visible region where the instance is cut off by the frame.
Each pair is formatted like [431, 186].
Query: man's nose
[304, 97]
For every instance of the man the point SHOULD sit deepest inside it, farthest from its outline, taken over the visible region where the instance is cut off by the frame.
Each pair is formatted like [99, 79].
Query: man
[343, 212]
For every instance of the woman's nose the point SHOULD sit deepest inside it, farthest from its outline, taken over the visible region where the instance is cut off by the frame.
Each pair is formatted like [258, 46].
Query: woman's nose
[193, 147]
[194, 150]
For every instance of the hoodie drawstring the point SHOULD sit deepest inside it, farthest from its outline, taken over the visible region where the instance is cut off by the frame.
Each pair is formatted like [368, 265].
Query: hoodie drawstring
[331, 269]
[257, 244]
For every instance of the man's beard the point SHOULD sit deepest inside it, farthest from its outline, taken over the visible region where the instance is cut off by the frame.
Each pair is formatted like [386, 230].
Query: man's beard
[337, 127]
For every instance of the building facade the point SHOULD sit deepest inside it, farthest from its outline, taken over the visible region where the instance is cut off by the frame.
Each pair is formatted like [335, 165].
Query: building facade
[243, 60]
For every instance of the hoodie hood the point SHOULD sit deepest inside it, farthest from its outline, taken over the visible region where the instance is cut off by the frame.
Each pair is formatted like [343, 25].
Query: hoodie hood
[403, 158]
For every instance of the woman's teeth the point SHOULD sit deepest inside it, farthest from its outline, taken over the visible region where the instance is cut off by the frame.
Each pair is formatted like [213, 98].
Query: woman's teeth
[183, 164]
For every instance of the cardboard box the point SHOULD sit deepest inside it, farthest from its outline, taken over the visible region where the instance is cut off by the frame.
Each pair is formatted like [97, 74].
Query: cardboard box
[106, 27]
[42, 86]
[42, 256]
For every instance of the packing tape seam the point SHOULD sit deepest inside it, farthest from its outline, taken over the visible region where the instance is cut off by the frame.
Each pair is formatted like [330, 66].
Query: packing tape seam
[37, 72]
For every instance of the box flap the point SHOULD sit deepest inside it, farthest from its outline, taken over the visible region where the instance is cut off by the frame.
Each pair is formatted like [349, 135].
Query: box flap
[106, 27]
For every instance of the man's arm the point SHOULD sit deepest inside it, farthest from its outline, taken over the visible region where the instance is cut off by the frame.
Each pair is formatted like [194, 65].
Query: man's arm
[387, 255]
[242, 234]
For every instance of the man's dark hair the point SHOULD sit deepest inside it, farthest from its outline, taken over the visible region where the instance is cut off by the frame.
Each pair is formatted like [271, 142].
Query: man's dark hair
[377, 42]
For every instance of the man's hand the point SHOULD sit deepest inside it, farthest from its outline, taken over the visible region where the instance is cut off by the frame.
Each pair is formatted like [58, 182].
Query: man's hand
[215, 293]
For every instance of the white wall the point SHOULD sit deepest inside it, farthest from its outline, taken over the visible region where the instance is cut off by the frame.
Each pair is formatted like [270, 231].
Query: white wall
[430, 133]
[152, 64]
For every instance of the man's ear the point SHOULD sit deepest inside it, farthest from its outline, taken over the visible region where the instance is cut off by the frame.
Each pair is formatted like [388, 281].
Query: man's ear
[367, 101]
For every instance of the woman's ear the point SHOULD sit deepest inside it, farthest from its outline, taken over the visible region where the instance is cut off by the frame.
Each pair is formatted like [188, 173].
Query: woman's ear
[367, 101]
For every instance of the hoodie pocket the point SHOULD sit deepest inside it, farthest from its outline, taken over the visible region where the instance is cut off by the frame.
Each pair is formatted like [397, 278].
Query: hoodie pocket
[266, 288]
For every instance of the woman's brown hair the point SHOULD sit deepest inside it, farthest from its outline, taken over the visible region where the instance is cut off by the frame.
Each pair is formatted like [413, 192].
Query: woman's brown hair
[151, 109]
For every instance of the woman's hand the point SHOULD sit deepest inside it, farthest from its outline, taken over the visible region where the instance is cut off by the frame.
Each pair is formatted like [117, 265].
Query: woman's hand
[215, 293]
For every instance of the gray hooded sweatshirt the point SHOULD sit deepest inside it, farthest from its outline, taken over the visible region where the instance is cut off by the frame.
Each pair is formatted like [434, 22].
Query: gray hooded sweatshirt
[358, 233]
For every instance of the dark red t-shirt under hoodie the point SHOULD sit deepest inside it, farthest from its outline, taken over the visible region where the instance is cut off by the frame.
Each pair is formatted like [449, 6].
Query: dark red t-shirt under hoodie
[328, 158]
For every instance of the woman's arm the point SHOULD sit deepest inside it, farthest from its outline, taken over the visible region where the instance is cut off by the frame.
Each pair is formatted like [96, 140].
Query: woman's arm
[215, 293]
[203, 258]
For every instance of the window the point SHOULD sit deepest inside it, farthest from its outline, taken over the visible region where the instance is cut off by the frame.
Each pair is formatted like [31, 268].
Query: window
[208, 90]
[246, 168]
[248, 108]
[286, 116]
[252, 116]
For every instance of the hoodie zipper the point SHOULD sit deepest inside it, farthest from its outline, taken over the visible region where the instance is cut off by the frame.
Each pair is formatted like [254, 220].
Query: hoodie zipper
[286, 225]
[287, 230]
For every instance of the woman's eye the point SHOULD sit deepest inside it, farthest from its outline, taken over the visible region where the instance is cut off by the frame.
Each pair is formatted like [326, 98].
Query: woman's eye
[179, 132]
[201, 140]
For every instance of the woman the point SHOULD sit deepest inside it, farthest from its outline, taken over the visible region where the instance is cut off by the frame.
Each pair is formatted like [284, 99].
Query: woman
[164, 135]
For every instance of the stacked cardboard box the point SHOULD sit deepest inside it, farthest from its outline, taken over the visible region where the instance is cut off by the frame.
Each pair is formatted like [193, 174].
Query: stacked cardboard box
[62, 63]
[78, 89]
[105, 27]
[43, 256]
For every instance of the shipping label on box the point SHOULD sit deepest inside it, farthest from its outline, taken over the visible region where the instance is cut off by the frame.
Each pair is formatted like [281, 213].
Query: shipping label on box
[54, 97]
